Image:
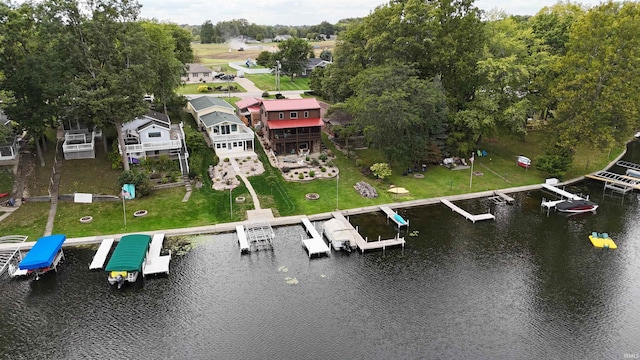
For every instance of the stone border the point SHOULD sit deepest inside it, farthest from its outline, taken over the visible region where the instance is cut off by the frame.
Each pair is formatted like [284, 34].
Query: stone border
[86, 219]
[240, 199]
[312, 196]
[140, 213]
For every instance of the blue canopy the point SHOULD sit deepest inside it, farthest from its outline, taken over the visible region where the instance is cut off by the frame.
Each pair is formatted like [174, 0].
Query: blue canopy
[43, 252]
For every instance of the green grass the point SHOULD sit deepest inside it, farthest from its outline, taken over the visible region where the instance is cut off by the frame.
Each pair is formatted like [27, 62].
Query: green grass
[80, 175]
[267, 82]
[30, 219]
[6, 180]
[193, 88]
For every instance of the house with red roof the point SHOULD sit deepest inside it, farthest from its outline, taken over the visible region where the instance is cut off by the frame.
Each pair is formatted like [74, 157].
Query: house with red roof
[292, 125]
[249, 109]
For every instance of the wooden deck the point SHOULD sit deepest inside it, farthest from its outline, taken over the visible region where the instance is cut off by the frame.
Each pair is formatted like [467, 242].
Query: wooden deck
[369, 245]
[564, 194]
[468, 216]
[101, 255]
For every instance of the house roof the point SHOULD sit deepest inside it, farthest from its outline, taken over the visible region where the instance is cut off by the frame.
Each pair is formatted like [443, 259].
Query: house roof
[248, 101]
[289, 124]
[197, 68]
[291, 104]
[218, 117]
[205, 102]
[314, 62]
[150, 118]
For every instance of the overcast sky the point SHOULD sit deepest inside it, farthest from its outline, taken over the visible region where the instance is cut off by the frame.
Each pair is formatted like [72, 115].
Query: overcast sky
[299, 12]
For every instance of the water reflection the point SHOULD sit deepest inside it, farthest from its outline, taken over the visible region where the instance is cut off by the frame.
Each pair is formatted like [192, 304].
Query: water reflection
[527, 285]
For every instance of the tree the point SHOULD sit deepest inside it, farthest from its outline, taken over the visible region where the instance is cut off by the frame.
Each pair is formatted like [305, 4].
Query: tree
[113, 67]
[381, 170]
[265, 59]
[326, 55]
[164, 61]
[206, 32]
[596, 90]
[293, 55]
[400, 114]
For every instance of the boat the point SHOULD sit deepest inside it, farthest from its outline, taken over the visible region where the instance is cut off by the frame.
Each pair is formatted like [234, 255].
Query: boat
[45, 255]
[633, 173]
[127, 261]
[576, 206]
[602, 240]
[523, 161]
[340, 235]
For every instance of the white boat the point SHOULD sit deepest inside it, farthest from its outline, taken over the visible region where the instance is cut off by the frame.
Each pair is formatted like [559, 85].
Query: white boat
[341, 236]
[523, 161]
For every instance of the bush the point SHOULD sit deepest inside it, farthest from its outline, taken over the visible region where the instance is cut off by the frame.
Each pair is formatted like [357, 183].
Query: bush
[330, 163]
[323, 157]
[265, 94]
[315, 162]
[301, 176]
[203, 88]
[226, 160]
[312, 173]
[285, 169]
[140, 179]
[279, 96]
[323, 169]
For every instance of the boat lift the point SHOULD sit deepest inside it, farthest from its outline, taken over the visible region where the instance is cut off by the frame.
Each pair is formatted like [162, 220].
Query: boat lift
[10, 255]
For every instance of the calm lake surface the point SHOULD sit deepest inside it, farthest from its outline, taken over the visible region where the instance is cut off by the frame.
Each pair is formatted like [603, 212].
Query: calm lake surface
[525, 286]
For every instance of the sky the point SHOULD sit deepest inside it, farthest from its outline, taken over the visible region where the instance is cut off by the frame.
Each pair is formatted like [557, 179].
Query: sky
[300, 12]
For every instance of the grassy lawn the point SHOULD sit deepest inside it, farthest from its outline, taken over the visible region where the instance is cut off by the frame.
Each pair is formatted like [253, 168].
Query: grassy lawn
[206, 206]
[193, 88]
[267, 82]
[6, 180]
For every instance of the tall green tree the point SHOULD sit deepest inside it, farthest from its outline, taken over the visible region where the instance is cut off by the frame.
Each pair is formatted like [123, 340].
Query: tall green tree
[292, 55]
[113, 62]
[400, 113]
[596, 91]
[207, 33]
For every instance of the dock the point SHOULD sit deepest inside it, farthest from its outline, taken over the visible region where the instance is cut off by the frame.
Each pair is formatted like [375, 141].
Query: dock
[628, 165]
[617, 179]
[394, 216]
[315, 245]
[564, 194]
[9, 257]
[506, 198]
[154, 263]
[364, 244]
[260, 235]
[242, 240]
[101, 255]
[468, 216]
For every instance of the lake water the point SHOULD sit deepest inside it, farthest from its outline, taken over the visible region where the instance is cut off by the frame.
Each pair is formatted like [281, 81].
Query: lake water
[525, 286]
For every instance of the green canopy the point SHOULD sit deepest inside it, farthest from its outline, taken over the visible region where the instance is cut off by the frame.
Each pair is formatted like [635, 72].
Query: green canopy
[130, 253]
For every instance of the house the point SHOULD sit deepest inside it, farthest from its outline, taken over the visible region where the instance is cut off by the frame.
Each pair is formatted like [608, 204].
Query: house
[292, 125]
[281, 38]
[225, 130]
[9, 146]
[249, 108]
[197, 73]
[313, 63]
[79, 140]
[153, 135]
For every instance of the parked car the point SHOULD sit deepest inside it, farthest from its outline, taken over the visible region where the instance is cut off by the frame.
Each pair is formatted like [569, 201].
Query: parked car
[228, 77]
[218, 75]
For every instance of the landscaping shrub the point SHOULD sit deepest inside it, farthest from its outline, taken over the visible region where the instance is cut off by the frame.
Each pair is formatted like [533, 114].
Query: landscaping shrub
[203, 88]
[285, 169]
[323, 169]
[301, 176]
[139, 178]
[323, 157]
[265, 94]
[315, 162]
[312, 173]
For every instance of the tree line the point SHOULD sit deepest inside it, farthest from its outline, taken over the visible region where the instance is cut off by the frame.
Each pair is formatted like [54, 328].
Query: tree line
[222, 31]
[88, 62]
[427, 79]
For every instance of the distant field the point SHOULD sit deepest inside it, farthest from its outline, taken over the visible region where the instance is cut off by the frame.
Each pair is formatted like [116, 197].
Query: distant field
[267, 82]
[219, 55]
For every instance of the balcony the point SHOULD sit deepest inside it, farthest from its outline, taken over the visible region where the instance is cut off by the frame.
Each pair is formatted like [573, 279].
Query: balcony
[154, 146]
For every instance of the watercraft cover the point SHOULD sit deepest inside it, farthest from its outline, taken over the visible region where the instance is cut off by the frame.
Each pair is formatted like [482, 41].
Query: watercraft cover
[129, 254]
[43, 252]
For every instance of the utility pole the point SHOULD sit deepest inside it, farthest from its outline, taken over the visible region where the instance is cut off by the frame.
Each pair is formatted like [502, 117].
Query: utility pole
[278, 75]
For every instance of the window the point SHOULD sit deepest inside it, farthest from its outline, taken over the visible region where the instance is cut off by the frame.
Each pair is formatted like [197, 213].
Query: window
[217, 146]
[224, 145]
[281, 116]
[155, 135]
[234, 127]
[293, 115]
[306, 114]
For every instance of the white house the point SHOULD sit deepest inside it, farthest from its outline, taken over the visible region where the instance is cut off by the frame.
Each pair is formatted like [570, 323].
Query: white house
[153, 135]
[227, 132]
[9, 147]
[79, 140]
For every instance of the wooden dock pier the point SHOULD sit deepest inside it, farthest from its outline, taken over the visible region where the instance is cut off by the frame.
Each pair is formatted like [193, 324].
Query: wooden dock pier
[101, 255]
[242, 239]
[363, 244]
[154, 263]
[468, 216]
[394, 216]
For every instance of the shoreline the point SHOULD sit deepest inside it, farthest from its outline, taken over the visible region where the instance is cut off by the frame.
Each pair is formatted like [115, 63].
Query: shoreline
[297, 219]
